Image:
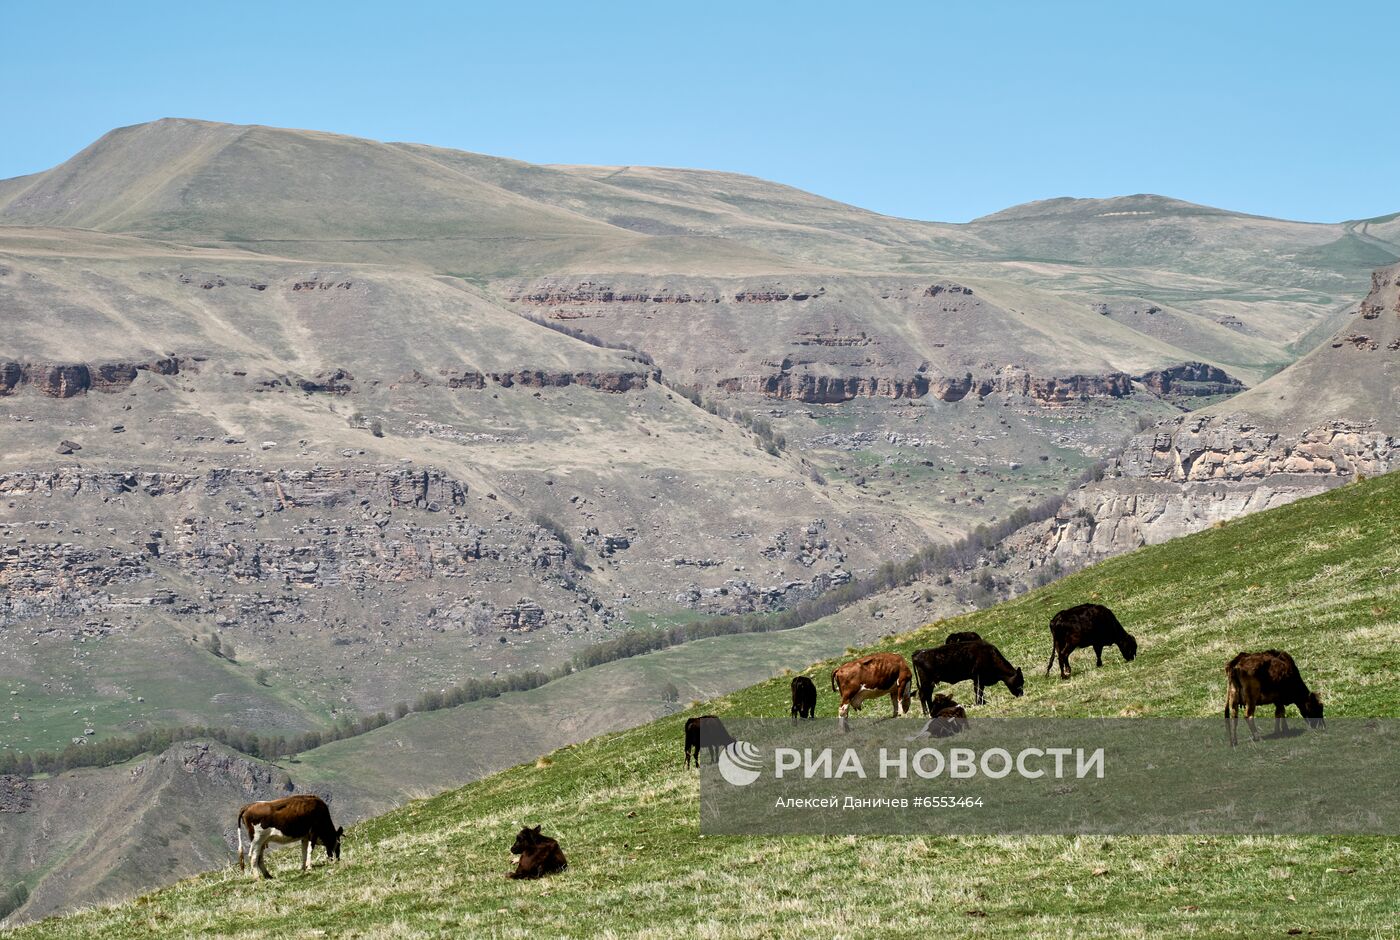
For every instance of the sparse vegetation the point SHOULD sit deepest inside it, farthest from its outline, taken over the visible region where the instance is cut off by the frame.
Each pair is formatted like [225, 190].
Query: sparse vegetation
[589, 338]
[765, 436]
[556, 529]
[12, 898]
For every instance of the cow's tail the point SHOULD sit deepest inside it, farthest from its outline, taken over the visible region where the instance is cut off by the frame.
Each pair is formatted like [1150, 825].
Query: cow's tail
[833, 680]
[239, 826]
[1053, 651]
[1232, 697]
[918, 686]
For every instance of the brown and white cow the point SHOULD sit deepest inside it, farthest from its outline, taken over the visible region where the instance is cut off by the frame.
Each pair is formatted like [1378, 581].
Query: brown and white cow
[876, 675]
[303, 818]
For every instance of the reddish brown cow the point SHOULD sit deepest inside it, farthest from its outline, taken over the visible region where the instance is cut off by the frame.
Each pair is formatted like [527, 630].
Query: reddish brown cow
[875, 675]
[1267, 678]
[303, 818]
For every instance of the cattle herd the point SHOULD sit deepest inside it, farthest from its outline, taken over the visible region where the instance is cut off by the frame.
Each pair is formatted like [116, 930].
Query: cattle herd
[1251, 680]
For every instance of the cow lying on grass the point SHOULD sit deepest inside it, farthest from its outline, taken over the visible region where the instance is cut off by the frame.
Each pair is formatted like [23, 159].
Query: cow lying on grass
[303, 818]
[949, 718]
[1083, 626]
[977, 660]
[539, 855]
[1267, 678]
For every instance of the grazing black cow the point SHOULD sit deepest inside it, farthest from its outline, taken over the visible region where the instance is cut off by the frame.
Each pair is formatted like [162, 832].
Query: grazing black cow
[977, 660]
[1267, 678]
[705, 731]
[539, 855]
[1087, 625]
[804, 697]
[966, 636]
[303, 818]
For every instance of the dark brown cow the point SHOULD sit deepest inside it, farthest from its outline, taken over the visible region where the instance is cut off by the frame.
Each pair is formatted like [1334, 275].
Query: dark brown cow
[977, 660]
[804, 697]
[949, 718]
[1087, 625]
[875, 675]
[966, 636]
[539, 855]
[303, 818]
[705, 731]
[1267, 678]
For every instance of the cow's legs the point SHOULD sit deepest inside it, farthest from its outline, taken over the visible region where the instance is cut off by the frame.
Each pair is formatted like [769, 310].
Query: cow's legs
[240, 846]
[306, 853]
[977, 691]
[1064, 664]
[1232, 721]
[1249, 720]
[842, 712]
[1098, 656]
[1280, 719]
[260, 837]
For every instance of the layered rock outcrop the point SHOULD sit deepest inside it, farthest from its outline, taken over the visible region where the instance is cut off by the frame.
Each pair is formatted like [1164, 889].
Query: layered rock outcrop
[1204, 470]
[315, 486]
[814, 388]
[615, 381]
[1190, 379]
[66, 379]
[594, 292]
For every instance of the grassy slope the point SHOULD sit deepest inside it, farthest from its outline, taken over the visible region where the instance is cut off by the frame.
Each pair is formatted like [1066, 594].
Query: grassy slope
[1317, 578]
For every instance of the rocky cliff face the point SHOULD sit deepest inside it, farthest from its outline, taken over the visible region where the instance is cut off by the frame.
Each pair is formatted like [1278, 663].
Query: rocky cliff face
[1189, 380]
[349, 527]
[66, 379]
[812, 388]
[1216, 465]
[1234, 447]
[821, 343]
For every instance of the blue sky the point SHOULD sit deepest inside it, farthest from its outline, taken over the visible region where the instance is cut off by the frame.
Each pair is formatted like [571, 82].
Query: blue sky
[927, 110]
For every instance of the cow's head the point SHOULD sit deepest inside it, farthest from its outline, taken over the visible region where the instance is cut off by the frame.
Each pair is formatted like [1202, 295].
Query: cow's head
[1311, 707]
[333, 844]
[1128, 647]
[525, 840]
[941, 701]
[1017, 684]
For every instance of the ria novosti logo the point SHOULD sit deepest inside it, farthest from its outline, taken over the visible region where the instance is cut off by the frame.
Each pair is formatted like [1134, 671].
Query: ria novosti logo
[740, 763]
